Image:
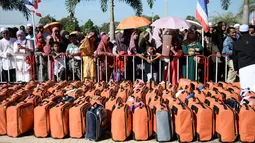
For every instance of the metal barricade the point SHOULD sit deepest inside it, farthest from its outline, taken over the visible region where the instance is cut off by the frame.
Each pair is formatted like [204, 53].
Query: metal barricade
[217, 60]
[202, 61]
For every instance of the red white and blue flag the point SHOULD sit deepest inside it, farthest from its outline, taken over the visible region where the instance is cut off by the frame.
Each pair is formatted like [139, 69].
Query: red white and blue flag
[202, 14]
[32, 5]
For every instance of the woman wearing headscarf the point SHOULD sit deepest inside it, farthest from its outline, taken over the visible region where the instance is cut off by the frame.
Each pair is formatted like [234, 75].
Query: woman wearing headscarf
[23, 68]
[39, 60]
[48, 61]
[157, 39]
[56, 35]
[123, 41]
[87, 49]
[65, 41]
[191, 47]
[175, 53]
[105, 50]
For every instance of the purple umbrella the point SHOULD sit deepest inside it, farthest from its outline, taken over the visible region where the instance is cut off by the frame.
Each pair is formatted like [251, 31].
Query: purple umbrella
[171, 23]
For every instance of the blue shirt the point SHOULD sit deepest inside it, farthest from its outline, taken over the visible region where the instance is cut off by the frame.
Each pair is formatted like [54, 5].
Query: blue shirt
[228, 46]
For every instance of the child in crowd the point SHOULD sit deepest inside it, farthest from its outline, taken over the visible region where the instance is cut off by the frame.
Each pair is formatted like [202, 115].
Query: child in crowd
[40, 60]
[74, 61]
[150, 62]
[59, 64]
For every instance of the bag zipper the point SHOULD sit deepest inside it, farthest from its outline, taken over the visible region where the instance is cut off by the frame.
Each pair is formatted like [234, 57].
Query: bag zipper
[126, 119]
[62, 111]
[235, 132]
[148, 119]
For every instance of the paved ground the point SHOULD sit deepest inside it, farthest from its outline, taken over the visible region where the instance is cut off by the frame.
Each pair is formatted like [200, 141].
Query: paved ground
[29, 138]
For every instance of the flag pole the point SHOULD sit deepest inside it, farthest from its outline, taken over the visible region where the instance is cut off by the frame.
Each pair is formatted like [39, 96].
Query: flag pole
[33, 23]
[203, 37]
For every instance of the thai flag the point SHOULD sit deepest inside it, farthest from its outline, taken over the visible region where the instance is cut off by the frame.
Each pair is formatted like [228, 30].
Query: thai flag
[202, 14]
[33, 6]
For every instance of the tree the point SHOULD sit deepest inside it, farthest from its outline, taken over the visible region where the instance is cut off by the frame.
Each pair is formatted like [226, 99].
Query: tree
[229, 17]
[15, 5]
[251, 8]
[192, 18]
[47, 19]
[87, 27]
[225, 4]
[155, 17]
[105, 27]
[70, 24]
[135, 4]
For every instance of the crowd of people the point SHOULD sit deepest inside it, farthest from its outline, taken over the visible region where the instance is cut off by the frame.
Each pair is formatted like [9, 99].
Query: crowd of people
[60, 55]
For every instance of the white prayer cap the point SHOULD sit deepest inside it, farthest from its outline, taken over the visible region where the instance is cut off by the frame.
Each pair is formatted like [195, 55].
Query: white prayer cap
[29, 25]
[244, 28]
[237, 25]
[4, 29]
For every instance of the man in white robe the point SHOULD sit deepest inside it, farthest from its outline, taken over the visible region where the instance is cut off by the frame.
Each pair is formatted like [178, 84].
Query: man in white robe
[7, 62]
[244, 58]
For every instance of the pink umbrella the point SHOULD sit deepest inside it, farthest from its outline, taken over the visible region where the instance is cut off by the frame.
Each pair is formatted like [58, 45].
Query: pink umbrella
[171, 23]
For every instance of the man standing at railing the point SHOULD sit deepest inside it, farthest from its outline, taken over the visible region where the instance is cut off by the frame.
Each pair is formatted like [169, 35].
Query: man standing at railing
[228, 49]
[6, 60]
[244, 58]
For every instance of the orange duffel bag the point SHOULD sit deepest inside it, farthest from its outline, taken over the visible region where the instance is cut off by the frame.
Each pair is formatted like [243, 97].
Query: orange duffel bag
[20, 118]
[184, 122]
[123, 94]
[77, 119]
[121, 122]
[204, 120]
[59, 120]
[246, 123]
[42, 118]
[142, 122]
[226, 122]
[3, 107]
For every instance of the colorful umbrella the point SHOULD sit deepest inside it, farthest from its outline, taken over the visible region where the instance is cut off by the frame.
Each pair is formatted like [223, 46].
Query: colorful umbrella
[48, 27]
[171, 23]
[133, 22]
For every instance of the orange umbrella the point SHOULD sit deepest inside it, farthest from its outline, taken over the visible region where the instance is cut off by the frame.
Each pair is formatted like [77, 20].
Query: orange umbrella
[133, 22]
[48, 27]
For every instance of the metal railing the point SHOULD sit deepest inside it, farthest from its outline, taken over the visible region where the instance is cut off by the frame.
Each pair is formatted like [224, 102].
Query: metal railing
[127, 64]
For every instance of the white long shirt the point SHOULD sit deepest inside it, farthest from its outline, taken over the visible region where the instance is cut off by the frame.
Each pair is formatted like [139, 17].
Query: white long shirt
[6, 47]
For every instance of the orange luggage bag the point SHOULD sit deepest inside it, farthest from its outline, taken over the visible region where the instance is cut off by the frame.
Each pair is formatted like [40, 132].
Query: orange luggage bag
[121, 122]
[59, 120]
[42, 118]
[77, 119]
[20, 118]
[204, 120]
[246, 123]
[184, 122]
[142, 122]
[226, 123]
[3, 121]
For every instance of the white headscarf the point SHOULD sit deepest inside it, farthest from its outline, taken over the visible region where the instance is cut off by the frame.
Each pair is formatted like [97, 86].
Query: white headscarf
[157, 36]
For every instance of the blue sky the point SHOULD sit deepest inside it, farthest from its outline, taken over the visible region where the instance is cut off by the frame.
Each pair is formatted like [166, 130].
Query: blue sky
[91, 10]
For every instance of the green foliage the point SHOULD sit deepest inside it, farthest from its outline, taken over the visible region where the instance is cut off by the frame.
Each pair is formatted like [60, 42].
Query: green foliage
[9, 5]
[192, 18]
[47, 19]
[88, 26]
[251, 8]
[155, 17]
[105, 27]
[225, 4]
[70, 24]
[229, 17]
